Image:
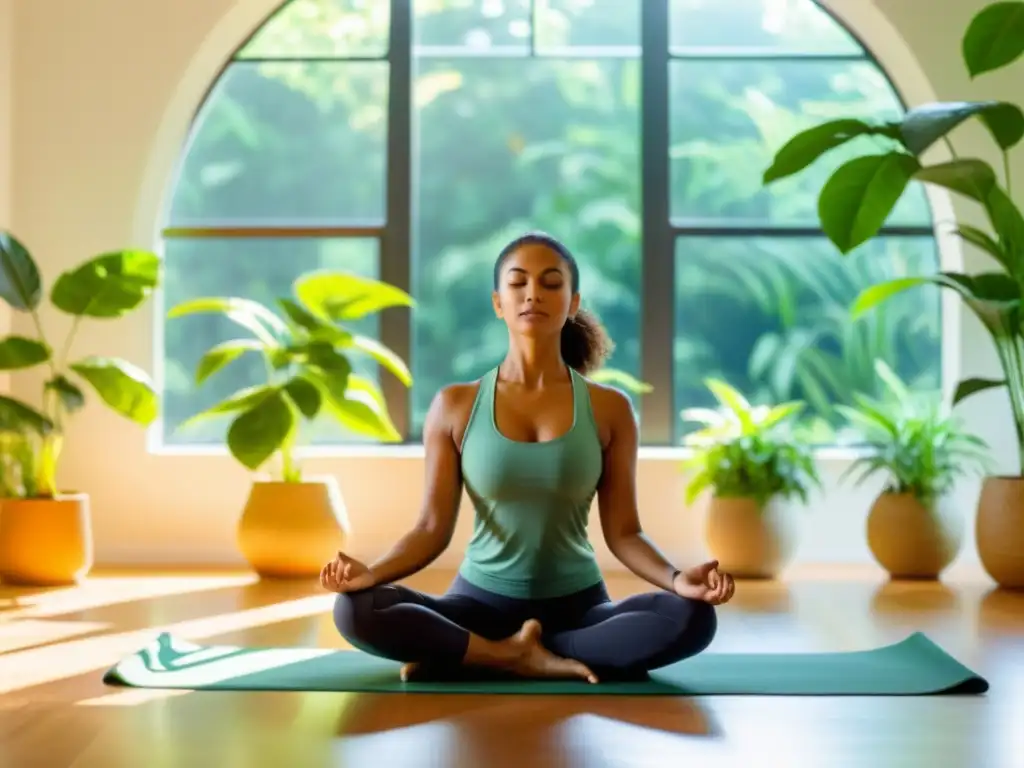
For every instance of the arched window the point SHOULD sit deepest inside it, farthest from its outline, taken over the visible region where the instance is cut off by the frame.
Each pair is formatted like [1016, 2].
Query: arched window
[410, 139]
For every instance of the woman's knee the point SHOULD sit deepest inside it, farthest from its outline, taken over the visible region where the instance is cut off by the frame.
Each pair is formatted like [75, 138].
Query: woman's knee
[353, 615]
[701, 628]
[696, 624]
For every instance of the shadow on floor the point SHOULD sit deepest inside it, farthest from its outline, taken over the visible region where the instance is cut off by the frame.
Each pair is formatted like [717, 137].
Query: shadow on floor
[475, 717]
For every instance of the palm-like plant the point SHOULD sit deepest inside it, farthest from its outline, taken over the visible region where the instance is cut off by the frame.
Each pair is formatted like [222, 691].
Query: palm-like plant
[746, 450]
[913, 440]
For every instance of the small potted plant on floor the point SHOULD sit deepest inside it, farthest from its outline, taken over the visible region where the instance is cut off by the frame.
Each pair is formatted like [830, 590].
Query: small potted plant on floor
[860, 195]
[914, 528]
[46, 530]
[292, 524]
[757, 474]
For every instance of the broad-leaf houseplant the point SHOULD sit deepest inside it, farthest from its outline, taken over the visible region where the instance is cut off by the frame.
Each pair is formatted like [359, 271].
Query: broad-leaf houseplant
[860, 194]
[45, 529]
[292, 524]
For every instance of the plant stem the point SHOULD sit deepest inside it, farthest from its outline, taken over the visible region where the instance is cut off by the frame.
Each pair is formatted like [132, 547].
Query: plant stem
[290, 471]
[49, 453]
[49, 450]
[1009, 350]
[66, 351]
[1006, 173]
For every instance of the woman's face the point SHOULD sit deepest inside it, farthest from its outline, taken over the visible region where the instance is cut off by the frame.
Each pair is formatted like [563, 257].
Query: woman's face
[534, 295]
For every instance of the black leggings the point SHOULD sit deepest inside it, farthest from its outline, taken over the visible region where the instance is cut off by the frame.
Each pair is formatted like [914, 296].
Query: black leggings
[634, 635]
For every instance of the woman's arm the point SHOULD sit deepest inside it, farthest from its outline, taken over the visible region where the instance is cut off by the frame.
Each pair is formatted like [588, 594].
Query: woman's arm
[433, 531]
[617, 502]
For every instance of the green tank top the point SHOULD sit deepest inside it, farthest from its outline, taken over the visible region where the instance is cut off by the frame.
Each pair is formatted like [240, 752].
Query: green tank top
[532, 502]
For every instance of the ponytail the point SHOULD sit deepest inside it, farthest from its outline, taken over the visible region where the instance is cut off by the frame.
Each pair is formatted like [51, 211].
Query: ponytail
[585, 343]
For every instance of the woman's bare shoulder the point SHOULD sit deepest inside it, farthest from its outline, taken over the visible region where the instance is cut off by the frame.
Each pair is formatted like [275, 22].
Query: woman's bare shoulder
[611, 408]
[453, 405]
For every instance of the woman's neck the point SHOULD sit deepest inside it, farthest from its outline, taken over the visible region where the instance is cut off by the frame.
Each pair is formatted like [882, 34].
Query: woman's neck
[533, 363]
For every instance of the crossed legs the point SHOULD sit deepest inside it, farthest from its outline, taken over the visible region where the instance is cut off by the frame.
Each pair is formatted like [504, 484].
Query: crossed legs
[630, 636]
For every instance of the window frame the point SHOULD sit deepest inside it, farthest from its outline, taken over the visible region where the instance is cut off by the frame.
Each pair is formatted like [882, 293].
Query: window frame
[660, 230]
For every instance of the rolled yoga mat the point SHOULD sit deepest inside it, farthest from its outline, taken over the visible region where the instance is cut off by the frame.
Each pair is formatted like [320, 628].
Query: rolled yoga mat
[913, 667]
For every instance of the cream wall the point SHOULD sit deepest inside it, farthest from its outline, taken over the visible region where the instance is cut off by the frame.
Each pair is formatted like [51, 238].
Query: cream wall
[105, 91]
[6, 146]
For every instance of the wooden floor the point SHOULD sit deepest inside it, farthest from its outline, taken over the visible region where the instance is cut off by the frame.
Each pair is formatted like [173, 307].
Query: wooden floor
[55, 712]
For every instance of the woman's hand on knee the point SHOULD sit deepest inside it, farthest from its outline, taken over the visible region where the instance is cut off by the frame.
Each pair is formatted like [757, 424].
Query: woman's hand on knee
[345, 574]
[705, 582]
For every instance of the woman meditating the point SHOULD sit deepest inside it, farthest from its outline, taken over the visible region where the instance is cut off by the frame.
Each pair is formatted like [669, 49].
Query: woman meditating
[532, 443]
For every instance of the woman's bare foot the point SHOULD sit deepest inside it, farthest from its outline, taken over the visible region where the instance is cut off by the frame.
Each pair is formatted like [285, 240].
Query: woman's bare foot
[534, 660]
[521, 655]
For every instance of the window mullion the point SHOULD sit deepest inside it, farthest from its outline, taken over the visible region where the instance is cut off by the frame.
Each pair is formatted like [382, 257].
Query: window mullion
[657, 330]
[396, 240]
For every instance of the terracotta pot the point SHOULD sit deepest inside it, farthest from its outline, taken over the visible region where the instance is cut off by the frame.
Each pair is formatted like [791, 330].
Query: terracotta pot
[46, 542]
[999, 530]
[911, 540]
[290, 530]
[750, 540]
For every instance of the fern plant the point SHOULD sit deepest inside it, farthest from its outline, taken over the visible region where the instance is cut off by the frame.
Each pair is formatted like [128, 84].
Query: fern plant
[913, 440]
[748, 451]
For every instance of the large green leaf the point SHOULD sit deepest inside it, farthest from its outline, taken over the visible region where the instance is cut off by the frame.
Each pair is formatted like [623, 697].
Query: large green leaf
[984, 241]
[924, 125]
[994, 38]
[316, 327]
[107, 286]
[808, 145]
[20, 283]
[990, 295]
[259, 432]
[242, 400]
[386, 357]
[363, 410]
[969, 387]
[263, 323]
[1007, 221]
[69, 393]
[222, 354]
[305, 395]
[328, 359]
[342, 296]
[18, 352]
[858, 198]
[122, 386]
[15, 416]
[971, 178]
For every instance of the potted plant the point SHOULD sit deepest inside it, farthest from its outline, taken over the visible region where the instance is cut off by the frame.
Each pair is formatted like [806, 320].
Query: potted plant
[747, 457]
[292, 524]
[46, 530]
[914, 528]
[860, 194]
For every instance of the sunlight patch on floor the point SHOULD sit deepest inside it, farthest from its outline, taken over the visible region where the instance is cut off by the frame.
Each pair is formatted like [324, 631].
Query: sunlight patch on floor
[105, 591]
[26, 633]
[36, 666]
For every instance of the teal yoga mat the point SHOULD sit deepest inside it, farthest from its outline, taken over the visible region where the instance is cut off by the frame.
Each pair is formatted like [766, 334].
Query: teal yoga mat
[914, 666]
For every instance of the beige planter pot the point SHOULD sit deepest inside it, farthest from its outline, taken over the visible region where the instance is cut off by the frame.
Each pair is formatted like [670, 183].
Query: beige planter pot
[749, 540]
[290, 530]
[46, 542]
[999, 530]
[911, 540]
